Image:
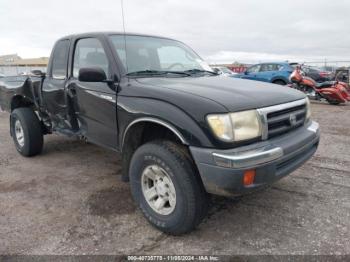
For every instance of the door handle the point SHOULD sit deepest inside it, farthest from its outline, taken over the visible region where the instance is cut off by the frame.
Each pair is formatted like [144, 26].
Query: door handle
[72, 91]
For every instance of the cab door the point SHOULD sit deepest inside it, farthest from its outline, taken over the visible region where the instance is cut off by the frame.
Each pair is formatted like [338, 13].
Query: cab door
[252, 73]
[53, 90]
[269, 71]
[93, 103]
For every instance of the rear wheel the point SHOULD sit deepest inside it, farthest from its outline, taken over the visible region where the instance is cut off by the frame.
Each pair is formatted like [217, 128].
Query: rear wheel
[279, 82]
[26, 132]
[165, 185]
[332, 102]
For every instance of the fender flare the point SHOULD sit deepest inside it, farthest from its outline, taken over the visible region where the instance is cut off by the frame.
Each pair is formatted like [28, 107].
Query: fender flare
[134, 110]
[157, 121]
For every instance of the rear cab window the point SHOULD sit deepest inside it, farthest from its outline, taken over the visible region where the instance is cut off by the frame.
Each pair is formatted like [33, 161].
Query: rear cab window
[60, 60]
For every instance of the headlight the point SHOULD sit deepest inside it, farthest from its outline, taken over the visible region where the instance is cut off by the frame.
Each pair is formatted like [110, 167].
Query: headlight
[236, 126]
[246, 125]
[221, 126]
[308, 109]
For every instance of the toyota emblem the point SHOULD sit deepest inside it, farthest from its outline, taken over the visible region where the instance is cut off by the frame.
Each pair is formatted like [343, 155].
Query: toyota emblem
[292, 120]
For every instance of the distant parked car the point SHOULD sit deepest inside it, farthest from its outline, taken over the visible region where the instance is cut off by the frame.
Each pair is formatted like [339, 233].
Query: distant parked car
[342, 74]
[222, 70]
[277, 73]
[316, 73]
[1, 75]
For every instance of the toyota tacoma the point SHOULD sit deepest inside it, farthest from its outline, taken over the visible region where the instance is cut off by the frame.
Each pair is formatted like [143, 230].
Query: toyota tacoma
[183, 131]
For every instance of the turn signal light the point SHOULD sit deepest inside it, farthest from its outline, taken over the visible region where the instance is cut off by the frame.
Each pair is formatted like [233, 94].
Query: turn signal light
[248, 178]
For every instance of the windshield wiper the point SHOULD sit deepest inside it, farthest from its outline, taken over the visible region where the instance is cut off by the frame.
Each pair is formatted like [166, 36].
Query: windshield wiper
[196, 71]
[145, 72]
[156, 72]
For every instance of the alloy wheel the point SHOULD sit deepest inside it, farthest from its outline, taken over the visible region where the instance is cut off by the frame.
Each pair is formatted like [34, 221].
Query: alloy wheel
[19, 133]
[158, 189]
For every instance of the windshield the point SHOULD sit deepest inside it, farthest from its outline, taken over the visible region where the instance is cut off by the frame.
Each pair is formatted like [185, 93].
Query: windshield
[153, 54]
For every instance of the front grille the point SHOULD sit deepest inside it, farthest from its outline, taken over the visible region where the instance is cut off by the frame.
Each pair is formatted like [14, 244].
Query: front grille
[283, 121]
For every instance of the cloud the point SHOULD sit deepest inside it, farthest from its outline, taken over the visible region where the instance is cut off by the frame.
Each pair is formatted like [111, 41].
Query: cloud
[248, 57]
[225, 30]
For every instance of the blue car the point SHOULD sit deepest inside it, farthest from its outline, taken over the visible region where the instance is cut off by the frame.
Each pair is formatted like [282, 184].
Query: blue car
[277, 73]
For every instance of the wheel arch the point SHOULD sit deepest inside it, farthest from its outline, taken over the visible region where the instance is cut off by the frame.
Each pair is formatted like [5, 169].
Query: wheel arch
[144, 119]
[18, 101]
[143, 130]
[154, 120]
[282, 79]
[187, 127]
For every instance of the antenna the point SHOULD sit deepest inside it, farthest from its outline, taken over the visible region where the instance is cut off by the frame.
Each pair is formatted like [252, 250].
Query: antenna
[126, 56]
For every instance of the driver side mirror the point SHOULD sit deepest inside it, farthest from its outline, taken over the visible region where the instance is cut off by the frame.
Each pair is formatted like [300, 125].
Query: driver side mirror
[36, 72]
[92, 74]
[246, 72]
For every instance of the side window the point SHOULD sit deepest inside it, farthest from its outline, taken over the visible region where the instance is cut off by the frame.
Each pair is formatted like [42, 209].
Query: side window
[254, 69]
[60, 59]
[269, 67]
[89, 52]
[281, 68]
[263, 68]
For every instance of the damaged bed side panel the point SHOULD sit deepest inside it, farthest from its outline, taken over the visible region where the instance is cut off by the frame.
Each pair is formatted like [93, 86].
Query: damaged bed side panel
[19, 89]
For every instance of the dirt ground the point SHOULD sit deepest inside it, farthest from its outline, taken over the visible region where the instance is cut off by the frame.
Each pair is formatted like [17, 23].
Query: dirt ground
[70, 200]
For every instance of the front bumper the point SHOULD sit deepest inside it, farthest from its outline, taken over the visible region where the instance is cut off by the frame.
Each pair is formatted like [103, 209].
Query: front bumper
[222, 171]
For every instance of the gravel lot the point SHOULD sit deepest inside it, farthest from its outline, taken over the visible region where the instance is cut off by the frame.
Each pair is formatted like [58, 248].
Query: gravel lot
[70, 200]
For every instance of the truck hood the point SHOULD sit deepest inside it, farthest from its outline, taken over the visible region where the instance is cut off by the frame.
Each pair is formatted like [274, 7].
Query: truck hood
[233, 93]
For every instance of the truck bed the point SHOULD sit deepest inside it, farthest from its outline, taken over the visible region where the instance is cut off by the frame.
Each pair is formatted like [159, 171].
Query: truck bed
[28, 87]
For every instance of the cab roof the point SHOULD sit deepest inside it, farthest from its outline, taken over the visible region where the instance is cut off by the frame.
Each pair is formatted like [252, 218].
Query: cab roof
[107, 33]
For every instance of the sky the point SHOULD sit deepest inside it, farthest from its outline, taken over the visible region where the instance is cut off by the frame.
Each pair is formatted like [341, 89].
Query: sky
[221, 31]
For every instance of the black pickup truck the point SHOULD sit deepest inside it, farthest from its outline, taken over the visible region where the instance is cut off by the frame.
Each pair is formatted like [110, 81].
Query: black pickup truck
[182, 130]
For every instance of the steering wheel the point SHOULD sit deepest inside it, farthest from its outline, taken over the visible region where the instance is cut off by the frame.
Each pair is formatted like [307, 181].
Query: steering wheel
[176, 64]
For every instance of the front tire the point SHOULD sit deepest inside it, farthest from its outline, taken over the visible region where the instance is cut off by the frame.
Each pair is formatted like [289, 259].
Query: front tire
[26, 132]
[166, 186]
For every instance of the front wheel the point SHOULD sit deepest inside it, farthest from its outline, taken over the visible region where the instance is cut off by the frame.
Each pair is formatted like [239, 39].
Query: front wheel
[26, 132]
[166, 186]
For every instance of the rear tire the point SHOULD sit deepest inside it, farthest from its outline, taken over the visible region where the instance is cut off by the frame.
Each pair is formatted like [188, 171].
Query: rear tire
[26, 132]
[279, 82]
[169, 163]
[332, 102]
